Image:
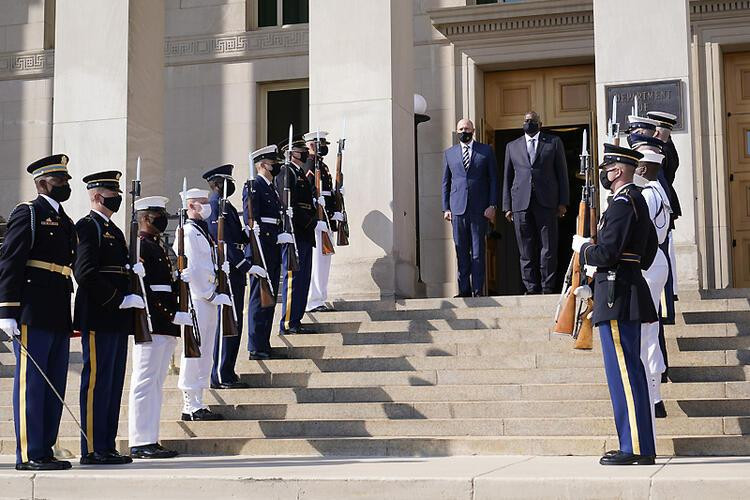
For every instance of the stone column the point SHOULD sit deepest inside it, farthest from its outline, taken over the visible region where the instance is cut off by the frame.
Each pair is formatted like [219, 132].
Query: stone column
[362, 71]
[644, 41]
[109, 89]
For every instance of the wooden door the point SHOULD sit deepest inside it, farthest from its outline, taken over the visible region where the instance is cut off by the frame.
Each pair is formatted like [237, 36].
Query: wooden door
[737, 82]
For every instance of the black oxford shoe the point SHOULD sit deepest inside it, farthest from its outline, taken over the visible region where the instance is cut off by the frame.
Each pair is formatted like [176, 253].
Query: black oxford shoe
[259, 356]
[204, 414]
[297, 330]
[43, 464]
[659, 410]
[151, 451]
[622, 458]
[230, 385]
[109, 458]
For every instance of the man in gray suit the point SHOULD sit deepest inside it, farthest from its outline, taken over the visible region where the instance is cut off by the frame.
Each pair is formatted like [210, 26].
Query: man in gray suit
[535, 195]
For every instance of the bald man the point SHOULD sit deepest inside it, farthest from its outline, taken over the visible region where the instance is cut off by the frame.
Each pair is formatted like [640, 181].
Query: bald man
[469, 201]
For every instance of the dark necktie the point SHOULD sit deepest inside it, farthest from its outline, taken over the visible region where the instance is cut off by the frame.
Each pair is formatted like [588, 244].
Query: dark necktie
[467, 158]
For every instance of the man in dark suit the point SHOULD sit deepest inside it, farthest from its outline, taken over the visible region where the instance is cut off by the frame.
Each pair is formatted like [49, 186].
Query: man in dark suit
[535, 195]
[469, 200]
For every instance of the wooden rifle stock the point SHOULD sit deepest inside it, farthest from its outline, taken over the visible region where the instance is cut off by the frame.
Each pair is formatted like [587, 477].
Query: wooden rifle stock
[142, 330]
[342, 227]
[190, 333]
[584, 338]
[226, 317]
[565, 323]
[325, 236]
[267, 297]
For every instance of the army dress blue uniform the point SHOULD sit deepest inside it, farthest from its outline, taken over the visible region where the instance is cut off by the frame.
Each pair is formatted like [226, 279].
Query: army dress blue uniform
[35, 292]
[626, 243]
[294, 183]
[101, 271]
[268, 214]
[225, 352]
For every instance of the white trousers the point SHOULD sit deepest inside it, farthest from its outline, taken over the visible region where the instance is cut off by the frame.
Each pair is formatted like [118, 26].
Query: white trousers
[150, 366]
[195, 373]
[673, 261]
[651, 355]
[321, 269]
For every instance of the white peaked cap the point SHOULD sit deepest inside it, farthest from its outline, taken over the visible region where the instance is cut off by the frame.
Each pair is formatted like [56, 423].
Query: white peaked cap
[651, 157]
[194, 193]
[264, 153]
[311, 136]
[151, 202]
[642, 119]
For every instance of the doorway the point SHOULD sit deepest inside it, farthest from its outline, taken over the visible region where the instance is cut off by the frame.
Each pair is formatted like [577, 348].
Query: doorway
[737, 82]
[564, 98]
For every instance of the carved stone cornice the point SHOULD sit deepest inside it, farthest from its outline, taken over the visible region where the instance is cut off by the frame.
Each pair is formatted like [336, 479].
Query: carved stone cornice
[17, 65]
[701, 10]
[236, 46]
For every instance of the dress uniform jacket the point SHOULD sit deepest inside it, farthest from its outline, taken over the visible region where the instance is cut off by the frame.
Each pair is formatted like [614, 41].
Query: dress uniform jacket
[161, 290]
[266, 205]
[626, 243]
[102, 277]
[302, 195]
[326, 184]
[30, 295]
[234, 236]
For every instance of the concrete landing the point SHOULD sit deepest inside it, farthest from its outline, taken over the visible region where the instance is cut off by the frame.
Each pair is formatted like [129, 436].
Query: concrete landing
[459, 478]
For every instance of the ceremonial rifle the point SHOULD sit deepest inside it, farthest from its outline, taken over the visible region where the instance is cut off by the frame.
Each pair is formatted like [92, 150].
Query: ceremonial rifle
[143, 326]
[228, 315]
[342, 229]
[267, 297]
[190, 333]
[325, 236]
[287, 238]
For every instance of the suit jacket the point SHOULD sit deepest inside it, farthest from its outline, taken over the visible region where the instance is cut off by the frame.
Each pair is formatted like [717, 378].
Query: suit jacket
[471, 190]
[547, 177]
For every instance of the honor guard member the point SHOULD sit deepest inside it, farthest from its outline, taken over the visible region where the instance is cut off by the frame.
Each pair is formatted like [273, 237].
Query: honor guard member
[104, 316]
[35, 289]
[302, 202]
[625, 243]
[267, 214]
[659, 211]
[223, 375]
[317, 145]
[200, 250]
[151, 359]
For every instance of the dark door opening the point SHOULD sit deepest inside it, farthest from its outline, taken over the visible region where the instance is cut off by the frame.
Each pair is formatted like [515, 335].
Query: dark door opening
[287, 107]
[502, 240]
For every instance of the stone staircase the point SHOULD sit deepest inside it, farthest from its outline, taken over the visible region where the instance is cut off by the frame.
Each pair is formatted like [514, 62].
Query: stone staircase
[433, 377]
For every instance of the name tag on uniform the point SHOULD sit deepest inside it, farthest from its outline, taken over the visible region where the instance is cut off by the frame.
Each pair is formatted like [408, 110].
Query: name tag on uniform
[50, 222]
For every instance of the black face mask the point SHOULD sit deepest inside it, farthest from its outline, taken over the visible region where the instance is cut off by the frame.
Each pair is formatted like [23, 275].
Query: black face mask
[465, 137]
[606, 183]
[113, 203]
[303, 156]
[275, 169]
[160, 223]
[323, 150]
[59, 193]
[530, 127]
[230, 188]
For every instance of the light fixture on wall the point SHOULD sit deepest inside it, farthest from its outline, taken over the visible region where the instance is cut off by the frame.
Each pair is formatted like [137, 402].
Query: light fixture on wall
[420, 108]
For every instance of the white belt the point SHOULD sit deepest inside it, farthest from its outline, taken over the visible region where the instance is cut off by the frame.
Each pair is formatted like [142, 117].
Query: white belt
[325, 193]
[161, 288]
[269, 220]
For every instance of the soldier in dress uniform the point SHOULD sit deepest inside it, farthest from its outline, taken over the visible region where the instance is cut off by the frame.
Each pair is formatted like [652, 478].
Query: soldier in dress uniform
[104, 316]
[35, 289]
[223, 375]
[626, 242]
[659, 210]
[317, 145]
[302, 201]
[267, 214]
[200, 250]
[151, 359]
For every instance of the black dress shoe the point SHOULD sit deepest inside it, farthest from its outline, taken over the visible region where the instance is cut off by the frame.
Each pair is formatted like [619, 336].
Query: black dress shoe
[297, 330]
[665, 377]
[153, 451]
[622, 458]
[64, 463]
[204, 414]
[320, 309]
[43, 464]
[108, 458]
[659, 410]
[230, 385]
[259, 356]
[462, 296]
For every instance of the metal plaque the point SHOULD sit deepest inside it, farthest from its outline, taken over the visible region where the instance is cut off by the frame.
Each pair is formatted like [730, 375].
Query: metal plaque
[651, 96]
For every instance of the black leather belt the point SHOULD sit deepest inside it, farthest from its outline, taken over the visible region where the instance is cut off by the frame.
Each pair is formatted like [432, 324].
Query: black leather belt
[113, 269]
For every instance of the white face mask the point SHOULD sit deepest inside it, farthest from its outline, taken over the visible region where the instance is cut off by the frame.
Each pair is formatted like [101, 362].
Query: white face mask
[640, 181]
[205, 211]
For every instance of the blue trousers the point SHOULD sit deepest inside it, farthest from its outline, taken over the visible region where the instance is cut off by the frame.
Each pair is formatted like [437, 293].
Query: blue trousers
[226, 348]
[628, 387]
[104, 357]
[296, 285]
[260, 320]
[36, 409]
[468, 235]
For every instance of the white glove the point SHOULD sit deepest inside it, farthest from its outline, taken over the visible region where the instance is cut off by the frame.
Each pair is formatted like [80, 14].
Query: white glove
[225, 267]
[10, 326]
[256, 229]
[258, 271]
[322, 201]
[578, 242]
[321, 226]
[338, 217]
[583, 292]
[139, 270]
[284, 238]
[185, 275]
[183, 319]
[222, 299]
[341, 190]
[590, 270]
[290, 212]
[132, 301]
[247, 231]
